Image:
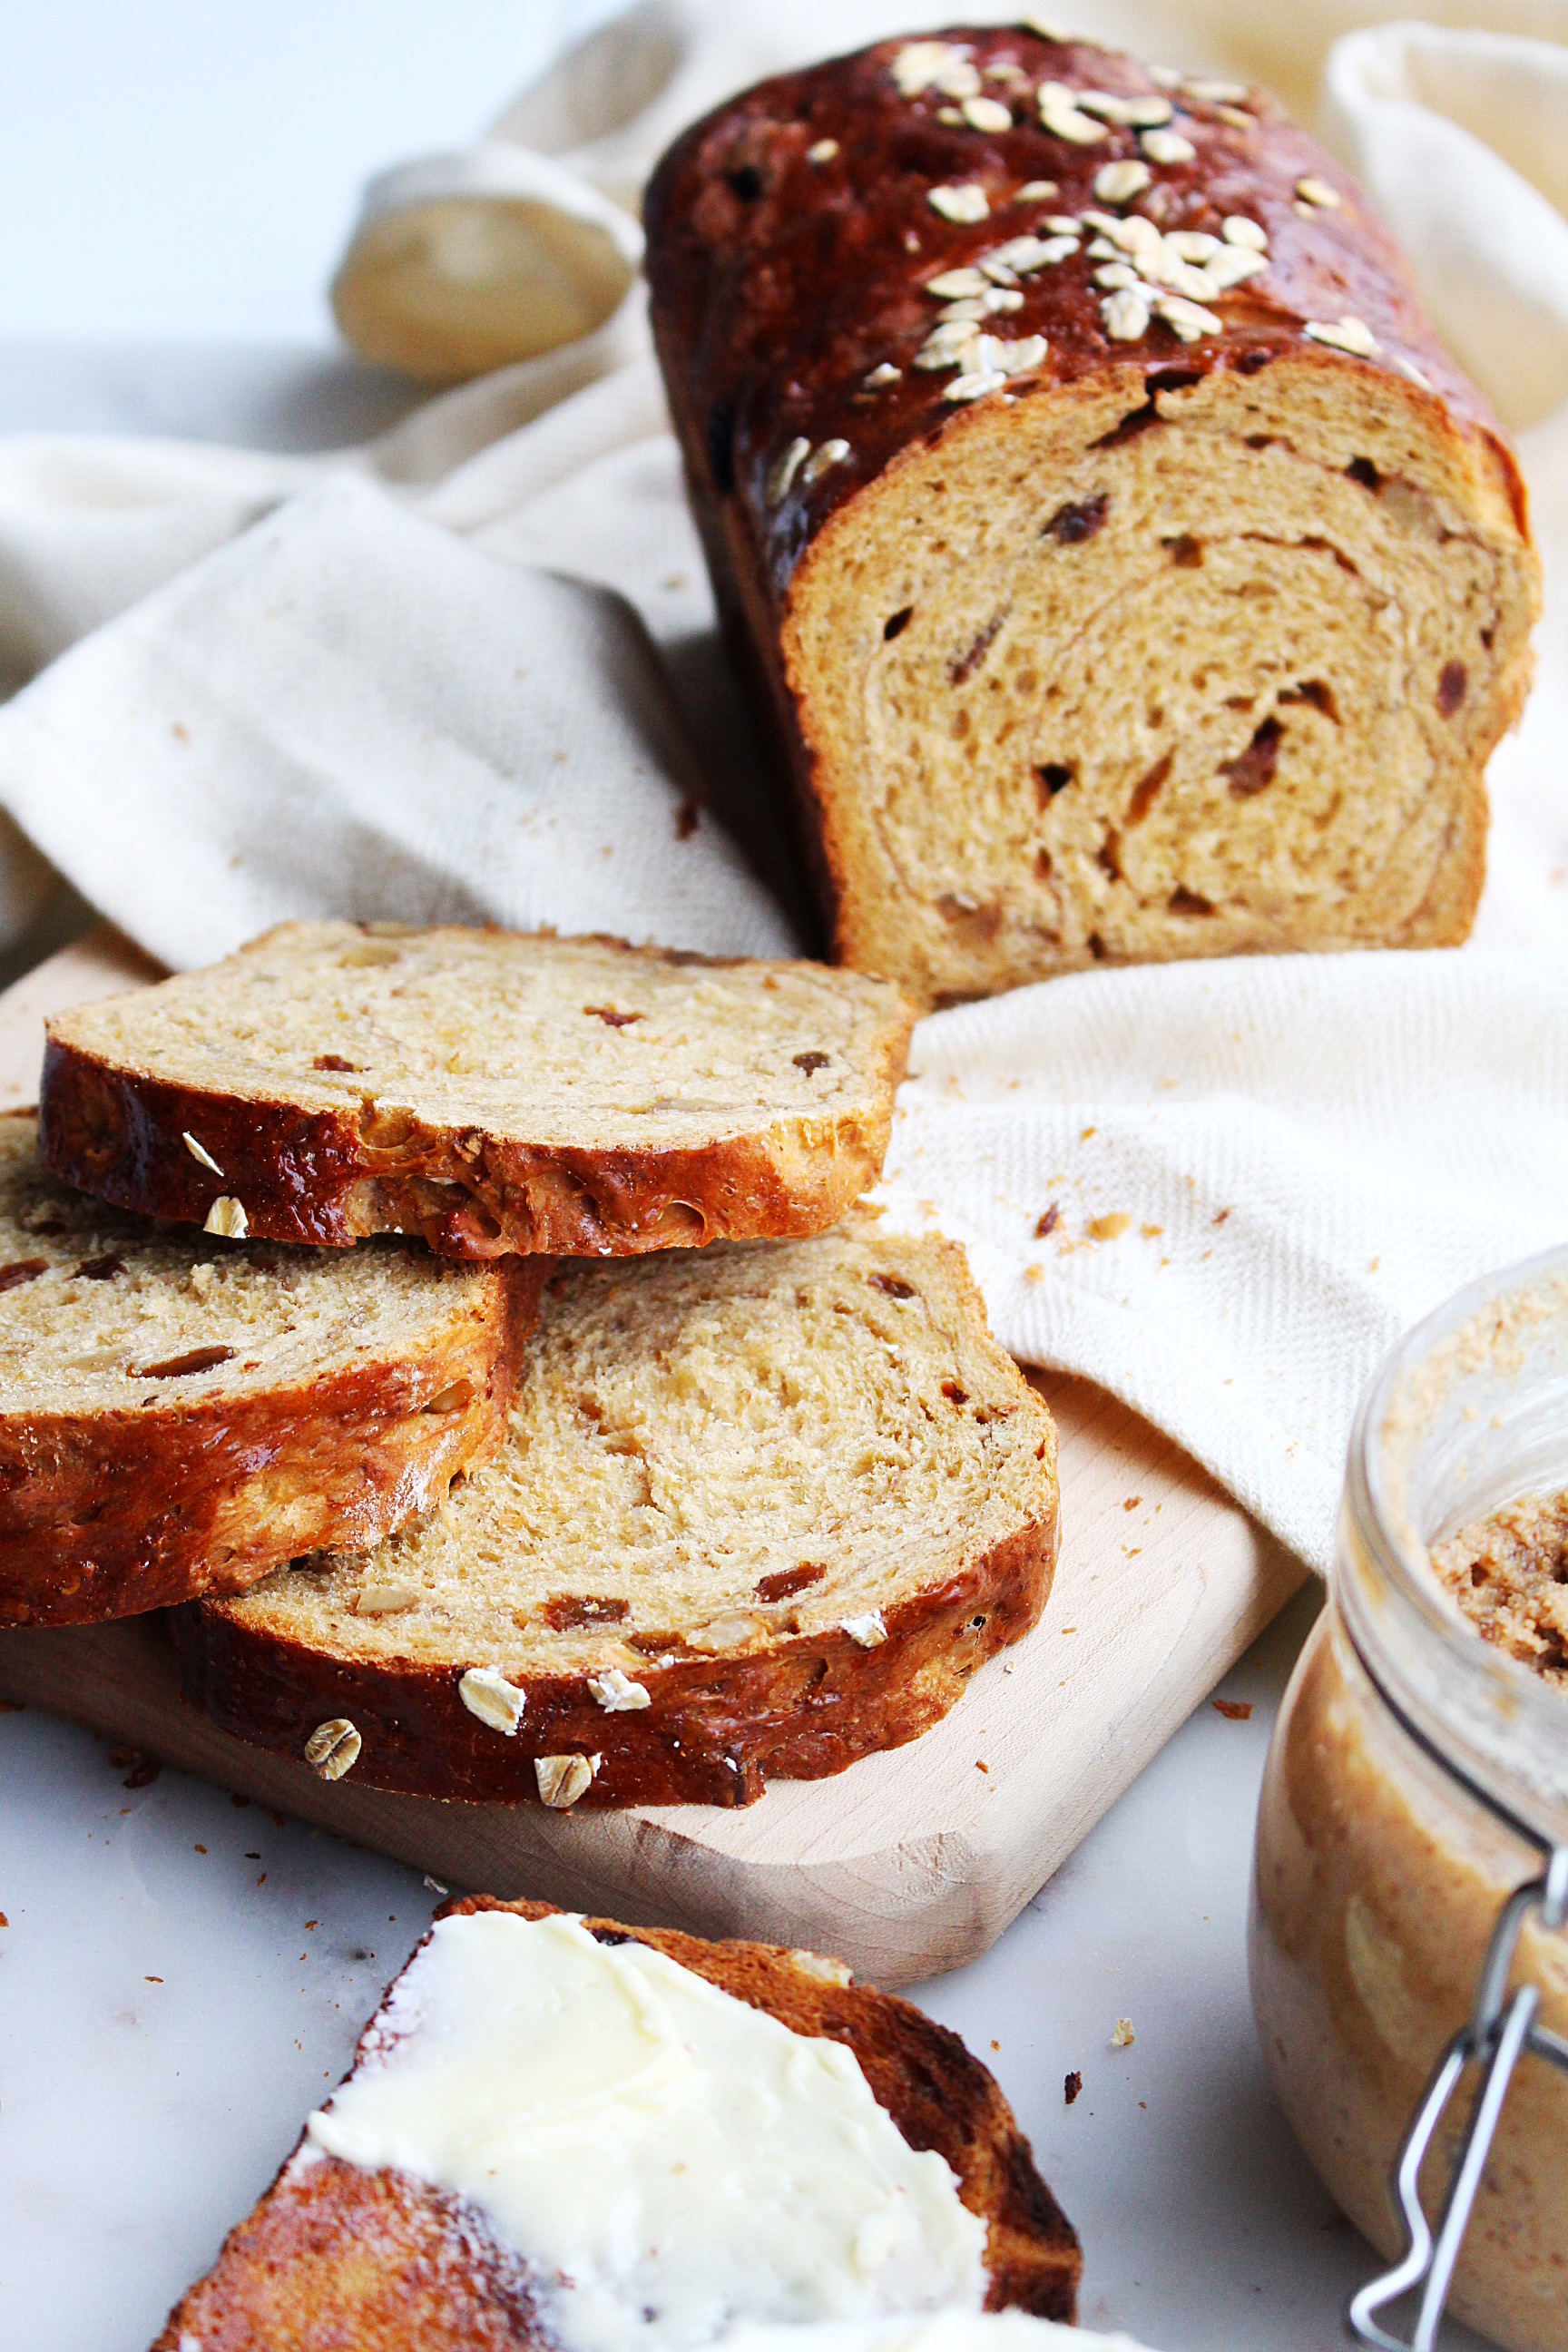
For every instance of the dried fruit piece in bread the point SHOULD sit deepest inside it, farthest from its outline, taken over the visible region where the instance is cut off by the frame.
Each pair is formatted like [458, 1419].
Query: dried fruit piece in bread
[495, 1091]
[178, 1416]
[1122, 569]
[761, 1510]
[366, 2257]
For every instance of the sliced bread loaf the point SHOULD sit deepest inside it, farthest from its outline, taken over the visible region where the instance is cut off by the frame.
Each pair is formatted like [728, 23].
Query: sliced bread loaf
[493, 2060]
[1120, 567]
[178, 1416]
[759, 1512]
[495, 1091]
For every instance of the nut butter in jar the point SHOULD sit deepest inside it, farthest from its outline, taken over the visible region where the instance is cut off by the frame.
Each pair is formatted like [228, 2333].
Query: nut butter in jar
[1418, 1777]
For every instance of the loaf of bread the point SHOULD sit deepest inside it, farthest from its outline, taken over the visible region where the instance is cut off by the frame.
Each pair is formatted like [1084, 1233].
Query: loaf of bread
[373, 2259]
[761, 1510]
[495, 1091]
[179, 1415]
[1120, 567]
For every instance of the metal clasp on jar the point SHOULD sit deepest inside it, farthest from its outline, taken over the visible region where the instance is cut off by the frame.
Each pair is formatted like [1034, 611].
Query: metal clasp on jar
[1500, 2028]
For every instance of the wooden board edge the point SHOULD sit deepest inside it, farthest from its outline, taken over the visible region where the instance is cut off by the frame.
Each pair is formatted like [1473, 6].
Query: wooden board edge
[101, 964]
[926, 1904]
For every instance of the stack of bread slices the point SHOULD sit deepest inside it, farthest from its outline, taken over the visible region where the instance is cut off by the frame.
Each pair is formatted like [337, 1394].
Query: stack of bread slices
[477, 1341]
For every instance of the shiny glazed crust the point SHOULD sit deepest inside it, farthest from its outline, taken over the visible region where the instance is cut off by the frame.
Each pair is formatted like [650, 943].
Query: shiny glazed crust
[790, 237]
[111, 1514]
[715, 1731]
[315, 1176]
[333, 1175]
[379, 2263]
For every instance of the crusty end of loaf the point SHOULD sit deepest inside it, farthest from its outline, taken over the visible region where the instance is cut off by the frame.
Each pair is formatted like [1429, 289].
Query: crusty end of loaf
[1155, 668]
[383, 2263]
[328, 1146]
[793, 1496]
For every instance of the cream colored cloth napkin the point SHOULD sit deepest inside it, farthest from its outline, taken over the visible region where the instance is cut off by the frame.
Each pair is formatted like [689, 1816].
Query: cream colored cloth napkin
[274, 693]
[1254, 1177]
[348, 711]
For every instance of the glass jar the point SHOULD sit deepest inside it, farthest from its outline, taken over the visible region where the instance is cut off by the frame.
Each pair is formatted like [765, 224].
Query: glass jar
[1418, 1775]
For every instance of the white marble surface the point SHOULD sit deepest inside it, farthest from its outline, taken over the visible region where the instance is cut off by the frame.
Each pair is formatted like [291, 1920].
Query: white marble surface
[181, 1979]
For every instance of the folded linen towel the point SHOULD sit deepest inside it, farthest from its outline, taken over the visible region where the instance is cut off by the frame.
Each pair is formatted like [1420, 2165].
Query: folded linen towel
[347, 710]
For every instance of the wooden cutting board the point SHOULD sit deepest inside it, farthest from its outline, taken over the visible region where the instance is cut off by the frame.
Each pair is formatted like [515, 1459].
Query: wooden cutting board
[906, 1864]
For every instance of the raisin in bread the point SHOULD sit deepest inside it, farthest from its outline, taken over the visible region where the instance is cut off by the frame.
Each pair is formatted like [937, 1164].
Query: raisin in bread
[1121, 568]
[495, 1091]
[178, 1416]
[351, 2250]
[760, 1511]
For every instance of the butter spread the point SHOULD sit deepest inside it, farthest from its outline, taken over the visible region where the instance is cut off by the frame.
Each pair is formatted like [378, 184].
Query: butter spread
[940, 2331]
[671, 2162]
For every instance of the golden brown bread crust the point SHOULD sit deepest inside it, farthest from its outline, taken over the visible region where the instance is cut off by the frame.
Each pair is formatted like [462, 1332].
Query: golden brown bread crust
[716, 1730]
[107, 1514]
[361, 2262]
[329, 1177]
[114, 1511]
[379, 2263]
[333, 1176]
[779, 283]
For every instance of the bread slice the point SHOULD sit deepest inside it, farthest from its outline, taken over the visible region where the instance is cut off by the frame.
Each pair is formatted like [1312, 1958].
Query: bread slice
[760, 1511]
[492, 1090]
[178, 1416]
[378, 2261]
[1121, 568]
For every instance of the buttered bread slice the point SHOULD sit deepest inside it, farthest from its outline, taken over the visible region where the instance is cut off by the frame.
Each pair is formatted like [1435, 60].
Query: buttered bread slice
[760, 1510]
[179, 1415]
[560, 2132]
[495, 1091]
